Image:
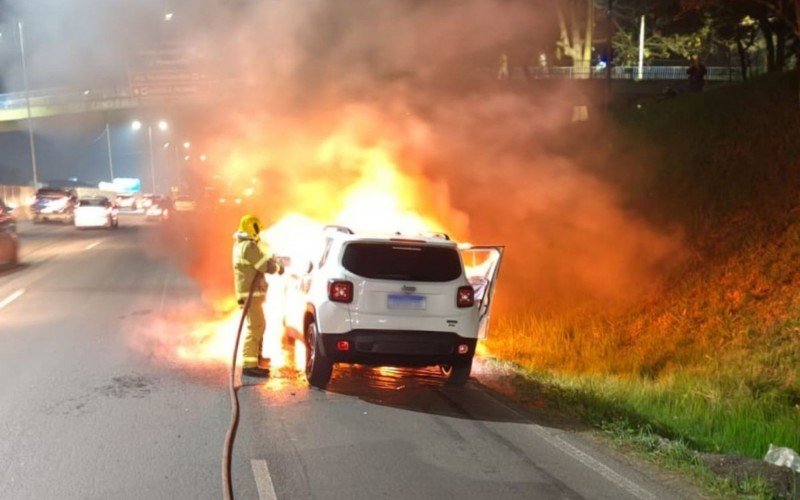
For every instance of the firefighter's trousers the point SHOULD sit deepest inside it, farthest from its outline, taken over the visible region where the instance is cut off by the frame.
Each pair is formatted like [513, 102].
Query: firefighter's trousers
[255, 325]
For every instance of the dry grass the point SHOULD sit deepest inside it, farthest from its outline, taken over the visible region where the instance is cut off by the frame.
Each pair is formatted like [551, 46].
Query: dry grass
[714, 357]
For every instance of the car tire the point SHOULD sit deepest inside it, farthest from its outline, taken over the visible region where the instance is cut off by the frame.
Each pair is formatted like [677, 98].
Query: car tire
[318, 367]
[457, 375]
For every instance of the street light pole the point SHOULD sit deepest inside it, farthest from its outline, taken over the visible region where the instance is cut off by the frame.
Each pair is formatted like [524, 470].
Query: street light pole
[28, 104]
[110, 159]
[152, 163]
[610, 49]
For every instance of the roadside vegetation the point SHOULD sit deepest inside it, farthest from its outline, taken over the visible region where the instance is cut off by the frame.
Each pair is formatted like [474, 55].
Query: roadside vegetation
[712, 359]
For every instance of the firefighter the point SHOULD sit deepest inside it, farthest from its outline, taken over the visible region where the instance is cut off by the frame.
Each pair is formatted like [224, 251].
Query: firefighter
[250, 263]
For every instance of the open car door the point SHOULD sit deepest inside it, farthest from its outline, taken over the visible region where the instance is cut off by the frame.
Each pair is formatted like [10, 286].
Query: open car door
[482, 264]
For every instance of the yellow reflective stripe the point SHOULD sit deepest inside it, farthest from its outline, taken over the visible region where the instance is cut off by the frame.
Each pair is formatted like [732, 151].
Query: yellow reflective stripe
[249, 362]
[261, 263]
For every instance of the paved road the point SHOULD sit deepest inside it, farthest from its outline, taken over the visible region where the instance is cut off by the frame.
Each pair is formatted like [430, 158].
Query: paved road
[85, 413]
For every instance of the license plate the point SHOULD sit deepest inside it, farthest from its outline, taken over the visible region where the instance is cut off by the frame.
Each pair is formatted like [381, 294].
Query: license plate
[411, 302]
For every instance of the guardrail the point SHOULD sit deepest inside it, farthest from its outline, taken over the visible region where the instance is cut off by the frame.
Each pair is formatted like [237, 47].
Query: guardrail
[649, 73]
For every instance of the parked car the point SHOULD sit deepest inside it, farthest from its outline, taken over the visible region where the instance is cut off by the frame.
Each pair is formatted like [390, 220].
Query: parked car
[96, 211]
[127, 202]
[392, 301]
[160, 210]
[9, 242]
[54, 204]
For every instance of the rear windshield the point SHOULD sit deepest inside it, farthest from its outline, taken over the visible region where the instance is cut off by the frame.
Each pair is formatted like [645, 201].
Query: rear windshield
[402, 262]
[93, 203]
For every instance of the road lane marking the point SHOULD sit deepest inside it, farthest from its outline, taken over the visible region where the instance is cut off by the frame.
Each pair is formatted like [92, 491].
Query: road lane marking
[581, 456]
[92, 245]
[266, 491]
[11, 298]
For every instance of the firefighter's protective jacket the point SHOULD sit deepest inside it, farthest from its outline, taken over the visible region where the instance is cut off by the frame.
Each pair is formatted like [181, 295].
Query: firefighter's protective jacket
[249, 263]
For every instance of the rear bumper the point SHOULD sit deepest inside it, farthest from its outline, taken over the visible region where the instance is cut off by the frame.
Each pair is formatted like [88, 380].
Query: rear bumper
[398, 348]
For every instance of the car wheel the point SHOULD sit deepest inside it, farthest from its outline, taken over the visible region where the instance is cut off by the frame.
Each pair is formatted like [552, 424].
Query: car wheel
[457, 374]
[318, 367]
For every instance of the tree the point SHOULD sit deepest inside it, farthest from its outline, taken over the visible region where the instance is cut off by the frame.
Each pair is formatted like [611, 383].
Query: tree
[576, 23]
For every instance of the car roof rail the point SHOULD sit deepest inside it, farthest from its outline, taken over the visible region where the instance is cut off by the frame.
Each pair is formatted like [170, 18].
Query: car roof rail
[341, 229]
[436, 234]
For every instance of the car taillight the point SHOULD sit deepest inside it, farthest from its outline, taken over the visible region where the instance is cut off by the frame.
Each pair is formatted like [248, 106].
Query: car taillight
[465, 297]
[340, 291]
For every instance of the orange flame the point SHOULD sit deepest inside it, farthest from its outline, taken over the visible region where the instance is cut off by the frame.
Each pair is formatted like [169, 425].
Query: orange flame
[367, 191]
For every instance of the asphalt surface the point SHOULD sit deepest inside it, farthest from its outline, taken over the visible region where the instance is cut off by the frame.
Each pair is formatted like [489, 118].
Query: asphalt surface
[85, 412]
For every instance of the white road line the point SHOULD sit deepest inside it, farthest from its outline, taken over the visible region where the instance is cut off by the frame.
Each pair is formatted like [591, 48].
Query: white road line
[11, 298]
[266, 491]
[581, 456]
[92, 245]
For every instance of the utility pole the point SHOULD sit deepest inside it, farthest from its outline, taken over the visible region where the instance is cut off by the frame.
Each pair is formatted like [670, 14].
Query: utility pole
[610, 49]
[28, 104]
[641, 50]
[110, 159]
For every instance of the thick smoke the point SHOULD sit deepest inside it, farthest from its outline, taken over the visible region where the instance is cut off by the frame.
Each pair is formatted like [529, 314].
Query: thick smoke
[414, 80]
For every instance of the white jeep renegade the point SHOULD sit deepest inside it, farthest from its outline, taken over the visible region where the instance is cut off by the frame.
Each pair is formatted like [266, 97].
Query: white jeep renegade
[392, 301]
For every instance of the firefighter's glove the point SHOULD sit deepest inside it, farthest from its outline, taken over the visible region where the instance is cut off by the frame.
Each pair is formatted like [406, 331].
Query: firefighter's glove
[272, 266]
[281, 269]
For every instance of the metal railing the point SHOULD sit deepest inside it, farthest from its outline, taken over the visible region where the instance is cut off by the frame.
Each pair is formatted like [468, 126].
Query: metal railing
[61, 95]
[649, 73]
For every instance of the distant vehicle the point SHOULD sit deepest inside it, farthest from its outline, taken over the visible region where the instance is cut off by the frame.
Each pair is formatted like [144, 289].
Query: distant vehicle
[149, 200]
[54, 204]
[9, 243]
[185, 204]
[160, 210]
[127, 202]
[97, 211]
[392, 301]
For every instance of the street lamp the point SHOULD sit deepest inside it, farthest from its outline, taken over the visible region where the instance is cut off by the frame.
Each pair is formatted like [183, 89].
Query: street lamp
[163, 126]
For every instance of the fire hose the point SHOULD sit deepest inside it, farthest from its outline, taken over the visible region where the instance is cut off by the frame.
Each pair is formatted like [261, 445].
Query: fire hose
[230, 436]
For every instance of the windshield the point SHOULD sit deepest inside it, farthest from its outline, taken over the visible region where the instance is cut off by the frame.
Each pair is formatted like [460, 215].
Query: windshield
[402, 262]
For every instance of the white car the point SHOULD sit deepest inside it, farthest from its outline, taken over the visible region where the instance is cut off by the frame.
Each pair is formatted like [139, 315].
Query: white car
[127, 202]
[97, 211]
[392, 301]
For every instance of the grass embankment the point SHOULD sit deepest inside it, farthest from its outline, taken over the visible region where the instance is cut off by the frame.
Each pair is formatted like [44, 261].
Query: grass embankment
[714, 357]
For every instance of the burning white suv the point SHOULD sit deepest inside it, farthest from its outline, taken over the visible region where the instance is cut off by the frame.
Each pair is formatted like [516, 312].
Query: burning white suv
[392, 301]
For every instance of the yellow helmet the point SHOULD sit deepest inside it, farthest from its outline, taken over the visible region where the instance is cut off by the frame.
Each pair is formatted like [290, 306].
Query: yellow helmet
[251, 225]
